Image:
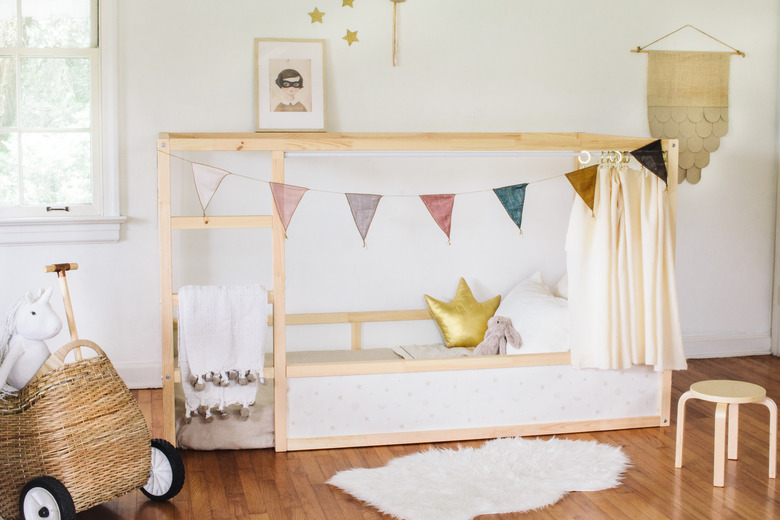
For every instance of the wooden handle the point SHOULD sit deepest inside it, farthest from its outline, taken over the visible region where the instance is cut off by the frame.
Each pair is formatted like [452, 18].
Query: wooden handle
[57, 359]
[60, 268]
[64, 350]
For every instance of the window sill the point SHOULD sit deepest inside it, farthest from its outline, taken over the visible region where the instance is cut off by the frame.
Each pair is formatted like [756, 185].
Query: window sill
[69, 230]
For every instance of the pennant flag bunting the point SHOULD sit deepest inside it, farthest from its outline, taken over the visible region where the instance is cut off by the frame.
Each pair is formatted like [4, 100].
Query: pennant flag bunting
[207, 180]
[584, 183]
[651, 156]
[513, 199]
[363, 207]
[286, 198]
[440, 208]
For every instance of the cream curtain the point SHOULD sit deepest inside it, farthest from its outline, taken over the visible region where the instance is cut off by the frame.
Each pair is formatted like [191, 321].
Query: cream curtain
[622, 292]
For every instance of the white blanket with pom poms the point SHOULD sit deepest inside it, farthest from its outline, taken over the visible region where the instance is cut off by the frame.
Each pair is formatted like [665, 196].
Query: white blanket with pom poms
[221, 343]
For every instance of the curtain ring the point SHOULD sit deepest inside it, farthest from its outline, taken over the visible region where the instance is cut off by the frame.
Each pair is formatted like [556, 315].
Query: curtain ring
[586, 157]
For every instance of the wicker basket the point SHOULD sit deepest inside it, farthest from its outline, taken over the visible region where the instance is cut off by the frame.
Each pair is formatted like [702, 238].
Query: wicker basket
[78, 423]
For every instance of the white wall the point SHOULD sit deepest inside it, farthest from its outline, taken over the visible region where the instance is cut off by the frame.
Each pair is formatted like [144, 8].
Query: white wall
[499, 65]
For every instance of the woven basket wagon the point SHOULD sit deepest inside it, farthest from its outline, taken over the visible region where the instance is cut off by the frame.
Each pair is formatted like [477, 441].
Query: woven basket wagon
[76, 422]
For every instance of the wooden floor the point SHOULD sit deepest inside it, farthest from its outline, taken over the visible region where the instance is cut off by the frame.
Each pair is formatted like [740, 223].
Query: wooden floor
[264, 485]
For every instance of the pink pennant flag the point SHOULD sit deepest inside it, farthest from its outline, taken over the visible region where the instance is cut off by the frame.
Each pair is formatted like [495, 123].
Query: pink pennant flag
[207, 180]
[363, 207]
[440, 207]
[286, 198]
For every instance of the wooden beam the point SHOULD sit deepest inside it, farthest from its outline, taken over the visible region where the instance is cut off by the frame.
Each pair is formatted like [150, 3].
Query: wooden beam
[419, 437]
[166, 286]
[324, 318]
[426, 365]
[356, 337]
[327, 141]
[238, 221]
[665, 407]
[279, 316]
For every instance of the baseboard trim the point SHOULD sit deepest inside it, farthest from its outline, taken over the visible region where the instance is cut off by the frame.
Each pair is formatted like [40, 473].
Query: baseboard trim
[140, 375]
[697, 347]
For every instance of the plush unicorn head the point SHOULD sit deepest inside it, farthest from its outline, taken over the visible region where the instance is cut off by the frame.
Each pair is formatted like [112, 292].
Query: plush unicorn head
[22, 349]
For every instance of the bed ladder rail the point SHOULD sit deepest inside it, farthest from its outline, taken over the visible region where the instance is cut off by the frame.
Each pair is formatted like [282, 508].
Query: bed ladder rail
[356, 320]
[222, 222]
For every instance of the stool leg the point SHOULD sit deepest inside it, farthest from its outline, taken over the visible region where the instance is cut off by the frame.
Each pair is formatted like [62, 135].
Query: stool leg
[733, 420]
[719, 463]
[770, 404]
[678, 455]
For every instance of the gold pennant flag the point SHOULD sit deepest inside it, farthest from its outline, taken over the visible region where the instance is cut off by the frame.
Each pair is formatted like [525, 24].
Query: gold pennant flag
[584, 183]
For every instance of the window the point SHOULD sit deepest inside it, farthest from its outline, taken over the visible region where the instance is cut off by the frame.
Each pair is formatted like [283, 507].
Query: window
[57, 135]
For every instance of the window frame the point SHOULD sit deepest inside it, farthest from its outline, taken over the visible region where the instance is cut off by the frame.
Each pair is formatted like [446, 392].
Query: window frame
[105, 226]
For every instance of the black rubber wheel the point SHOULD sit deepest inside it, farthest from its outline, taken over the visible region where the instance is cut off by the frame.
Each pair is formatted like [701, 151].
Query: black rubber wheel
[166, 477]
[46, 497]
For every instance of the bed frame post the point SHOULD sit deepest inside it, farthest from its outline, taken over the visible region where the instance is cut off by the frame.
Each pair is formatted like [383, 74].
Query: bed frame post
[280, 314]
[666, 398]
[166, 285]
[672, 180]
[672, 162]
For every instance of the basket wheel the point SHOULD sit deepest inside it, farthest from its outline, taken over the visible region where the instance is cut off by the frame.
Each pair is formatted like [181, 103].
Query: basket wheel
[166, 477]
[46, 497]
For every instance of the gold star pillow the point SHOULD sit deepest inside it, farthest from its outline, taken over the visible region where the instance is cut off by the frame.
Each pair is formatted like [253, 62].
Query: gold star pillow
[463, 321]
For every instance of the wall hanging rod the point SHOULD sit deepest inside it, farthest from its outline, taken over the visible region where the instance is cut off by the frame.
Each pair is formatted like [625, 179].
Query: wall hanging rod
[433, 153]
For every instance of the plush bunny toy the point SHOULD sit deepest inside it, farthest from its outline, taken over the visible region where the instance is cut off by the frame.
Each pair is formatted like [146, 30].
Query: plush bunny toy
[499, 332]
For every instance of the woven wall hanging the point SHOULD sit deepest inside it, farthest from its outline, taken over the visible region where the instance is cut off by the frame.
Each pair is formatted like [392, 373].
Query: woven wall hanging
[688, 99]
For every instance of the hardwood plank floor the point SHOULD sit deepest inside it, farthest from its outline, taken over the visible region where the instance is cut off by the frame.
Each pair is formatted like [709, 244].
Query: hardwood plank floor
[264, 485]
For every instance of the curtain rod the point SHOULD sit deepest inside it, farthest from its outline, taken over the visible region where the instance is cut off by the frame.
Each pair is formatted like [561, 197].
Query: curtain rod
[432, 153]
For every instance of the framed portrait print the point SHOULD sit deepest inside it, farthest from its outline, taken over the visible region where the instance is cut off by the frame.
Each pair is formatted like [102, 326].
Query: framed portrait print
[289, 85]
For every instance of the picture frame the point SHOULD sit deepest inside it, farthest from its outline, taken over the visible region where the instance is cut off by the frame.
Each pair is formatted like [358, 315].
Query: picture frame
[289, 85]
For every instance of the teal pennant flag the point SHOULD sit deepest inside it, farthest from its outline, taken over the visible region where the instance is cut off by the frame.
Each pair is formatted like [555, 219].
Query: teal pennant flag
[513, 199]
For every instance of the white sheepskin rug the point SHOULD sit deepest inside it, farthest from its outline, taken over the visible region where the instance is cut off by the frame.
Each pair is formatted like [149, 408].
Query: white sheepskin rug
[503, 476]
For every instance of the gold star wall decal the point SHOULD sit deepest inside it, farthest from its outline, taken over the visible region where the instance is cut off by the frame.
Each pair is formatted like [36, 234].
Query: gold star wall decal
[351, 36]
[316, 15]
[463, 321]
[346, 3]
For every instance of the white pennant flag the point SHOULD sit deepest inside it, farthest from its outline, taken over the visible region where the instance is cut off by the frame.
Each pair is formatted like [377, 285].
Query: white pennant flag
[207, 180]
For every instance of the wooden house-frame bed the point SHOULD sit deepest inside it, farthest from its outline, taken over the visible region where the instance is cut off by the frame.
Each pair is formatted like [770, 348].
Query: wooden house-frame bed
[320, 386]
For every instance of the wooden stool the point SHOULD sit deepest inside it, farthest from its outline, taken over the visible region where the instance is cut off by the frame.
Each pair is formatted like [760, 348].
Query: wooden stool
[728, 395]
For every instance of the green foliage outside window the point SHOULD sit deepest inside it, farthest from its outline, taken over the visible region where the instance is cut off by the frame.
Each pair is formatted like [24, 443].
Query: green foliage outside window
[46, 149]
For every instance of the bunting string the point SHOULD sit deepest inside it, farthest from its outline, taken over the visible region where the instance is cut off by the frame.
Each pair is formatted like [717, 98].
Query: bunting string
[331, 192]
[363, 206]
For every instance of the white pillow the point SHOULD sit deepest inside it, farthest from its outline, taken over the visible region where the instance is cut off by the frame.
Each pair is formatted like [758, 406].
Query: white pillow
[541, 318]
[562, 287]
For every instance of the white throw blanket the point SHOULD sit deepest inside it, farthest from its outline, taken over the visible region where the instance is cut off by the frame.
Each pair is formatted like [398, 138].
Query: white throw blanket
[221, 344]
